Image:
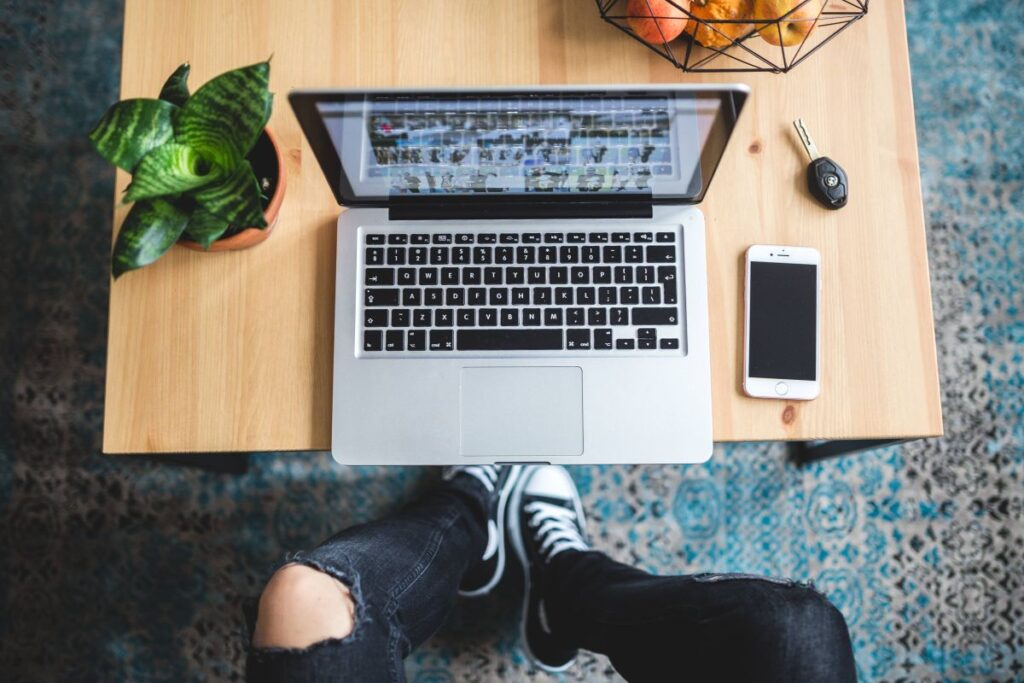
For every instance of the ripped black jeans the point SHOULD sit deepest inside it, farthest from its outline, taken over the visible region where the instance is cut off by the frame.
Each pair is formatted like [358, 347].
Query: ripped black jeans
[404, 572]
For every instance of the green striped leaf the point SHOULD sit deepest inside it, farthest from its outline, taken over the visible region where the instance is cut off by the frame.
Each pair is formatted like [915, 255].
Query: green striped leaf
[175, 89]
[205, 228]
[150, 229]
[235, 199]
[171, 168]
[225, 116]
[130, 129]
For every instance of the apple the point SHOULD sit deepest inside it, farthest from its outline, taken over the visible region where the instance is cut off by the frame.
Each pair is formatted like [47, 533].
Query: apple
[715, 34]
[795, 28]
[666, 23]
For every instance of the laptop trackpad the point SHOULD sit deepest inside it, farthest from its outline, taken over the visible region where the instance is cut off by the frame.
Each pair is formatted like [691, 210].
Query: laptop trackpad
[509, 412]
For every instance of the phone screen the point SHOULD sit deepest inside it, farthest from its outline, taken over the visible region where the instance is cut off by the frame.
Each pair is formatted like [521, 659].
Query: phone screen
[783, 329]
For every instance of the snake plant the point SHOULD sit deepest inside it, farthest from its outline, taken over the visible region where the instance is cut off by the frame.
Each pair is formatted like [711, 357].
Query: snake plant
[187, 156]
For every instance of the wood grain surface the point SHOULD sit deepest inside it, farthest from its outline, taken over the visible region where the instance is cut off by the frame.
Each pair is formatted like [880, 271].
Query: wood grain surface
[232, 351]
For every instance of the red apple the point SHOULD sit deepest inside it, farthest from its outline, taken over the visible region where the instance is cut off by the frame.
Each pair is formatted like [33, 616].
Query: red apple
[666, 23]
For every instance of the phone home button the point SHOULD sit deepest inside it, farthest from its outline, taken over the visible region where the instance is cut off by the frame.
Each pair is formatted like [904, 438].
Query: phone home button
[781, 388]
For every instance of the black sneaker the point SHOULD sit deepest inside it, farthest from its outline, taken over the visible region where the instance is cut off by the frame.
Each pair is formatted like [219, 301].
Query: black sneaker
[545, 518]
[499, 482]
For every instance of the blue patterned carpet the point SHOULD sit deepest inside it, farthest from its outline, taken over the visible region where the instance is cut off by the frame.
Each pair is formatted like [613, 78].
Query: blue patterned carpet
[116, 569]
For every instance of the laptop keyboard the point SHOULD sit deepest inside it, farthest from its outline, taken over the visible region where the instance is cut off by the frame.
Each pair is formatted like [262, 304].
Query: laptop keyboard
[566, 292]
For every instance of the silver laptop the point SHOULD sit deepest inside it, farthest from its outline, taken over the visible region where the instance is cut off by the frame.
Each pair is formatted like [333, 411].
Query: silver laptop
[521, 272]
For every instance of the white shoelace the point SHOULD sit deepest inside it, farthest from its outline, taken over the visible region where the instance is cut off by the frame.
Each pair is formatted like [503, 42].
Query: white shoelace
[554, 528]
[486, 474]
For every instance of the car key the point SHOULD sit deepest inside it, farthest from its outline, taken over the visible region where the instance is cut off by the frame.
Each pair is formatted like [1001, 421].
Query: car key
[825, 178]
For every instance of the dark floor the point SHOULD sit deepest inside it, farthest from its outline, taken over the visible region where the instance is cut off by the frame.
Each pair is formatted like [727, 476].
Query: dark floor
[118, 569]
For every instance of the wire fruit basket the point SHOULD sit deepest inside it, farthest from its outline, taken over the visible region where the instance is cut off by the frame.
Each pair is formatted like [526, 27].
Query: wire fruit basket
[733, 35]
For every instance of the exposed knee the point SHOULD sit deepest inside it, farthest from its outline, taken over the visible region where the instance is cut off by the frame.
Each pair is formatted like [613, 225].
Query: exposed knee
[301, 606]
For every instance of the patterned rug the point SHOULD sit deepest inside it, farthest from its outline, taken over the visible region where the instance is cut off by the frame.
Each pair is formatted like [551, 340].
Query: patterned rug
[124, 569]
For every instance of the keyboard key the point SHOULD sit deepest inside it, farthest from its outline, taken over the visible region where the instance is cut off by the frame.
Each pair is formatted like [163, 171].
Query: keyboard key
[625, 345]
[482, 255]
[466, 317]
[665, 237]
[646, 343]
[598, 237]
[655, 316]
[578, 339]
[520, 296]
[477, 296]
[553, 237]
[526, 255]
[464, 238]
[438, 256]
[514, 276]
[553, 317]
[569, 254]
[645, 274]
[488, 317]
[486, 238]
[620, 237]
[380, 297]
[416, 340]
[597, 317]
[602, 275]
[643, 237]
[620, 316]
[547, 255]
[558, 275]
[419, 238]
[607, 296]
[462, 255]
[510, 340]
[634, 254]
[410, 297]
[493, 276]
[629, 295]
[375, 239]
[417, 256]
[504, 255]
[396, 256]
[563, 296]
[421, 318]
[449, 276]
[661, 254]
[445, 239]
[580, 275]
[455, 296]
[531, 317]
[670, 293]
[394, 340]
[373, 340]
[590, 254]
[406, 277]
[428, 276]
[542, 296]
[603, 339]
[576, 237]
[646, 333]
[498, 296]
[374, 256]
[651, 295]
[509, 238]
[373, 318]
[574, 316]
[471, 276]
[400, 317]
[509, 317]
[585, 296]
[380, 276]
[531, 238]
[441, 340]
[669, 343]
[444, 317]
[612, 254]
[666, 273]
[397, 239]
[433, 296]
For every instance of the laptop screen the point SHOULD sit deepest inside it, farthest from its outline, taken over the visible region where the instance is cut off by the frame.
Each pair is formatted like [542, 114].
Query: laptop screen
[664, 143]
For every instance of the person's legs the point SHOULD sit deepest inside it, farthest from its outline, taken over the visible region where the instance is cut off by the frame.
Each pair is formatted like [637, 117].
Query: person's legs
[706, 627]
[355, 606]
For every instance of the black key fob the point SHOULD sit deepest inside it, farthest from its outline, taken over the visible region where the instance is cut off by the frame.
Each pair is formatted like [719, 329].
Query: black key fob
[828, 183]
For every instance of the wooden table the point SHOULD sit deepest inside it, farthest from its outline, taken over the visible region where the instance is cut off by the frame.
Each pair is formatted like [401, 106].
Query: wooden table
[232, 351]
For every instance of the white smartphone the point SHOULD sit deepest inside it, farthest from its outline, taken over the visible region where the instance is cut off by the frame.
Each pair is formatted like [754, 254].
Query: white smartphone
[782, 328]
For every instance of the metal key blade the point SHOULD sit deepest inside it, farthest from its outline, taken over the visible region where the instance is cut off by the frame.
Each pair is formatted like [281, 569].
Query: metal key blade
[805, 138]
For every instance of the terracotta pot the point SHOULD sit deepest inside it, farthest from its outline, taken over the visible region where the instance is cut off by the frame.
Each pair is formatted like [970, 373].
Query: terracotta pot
[250, 237]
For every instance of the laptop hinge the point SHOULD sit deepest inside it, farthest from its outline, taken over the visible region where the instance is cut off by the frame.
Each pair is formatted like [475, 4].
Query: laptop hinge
[494, 208]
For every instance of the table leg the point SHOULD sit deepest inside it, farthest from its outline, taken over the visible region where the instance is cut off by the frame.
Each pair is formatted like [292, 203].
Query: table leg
[804, 452]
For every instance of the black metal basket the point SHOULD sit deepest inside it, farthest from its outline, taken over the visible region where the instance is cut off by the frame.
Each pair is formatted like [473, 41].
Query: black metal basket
[685, 35]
